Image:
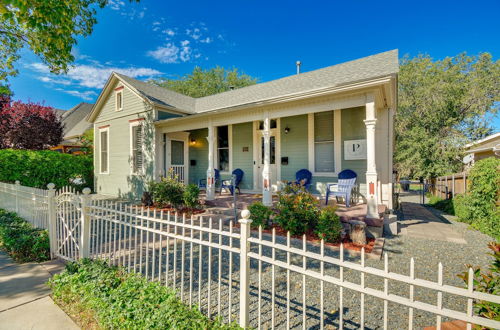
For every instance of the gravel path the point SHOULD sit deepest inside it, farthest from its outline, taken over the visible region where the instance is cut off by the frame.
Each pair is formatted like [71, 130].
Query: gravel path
[426, 253]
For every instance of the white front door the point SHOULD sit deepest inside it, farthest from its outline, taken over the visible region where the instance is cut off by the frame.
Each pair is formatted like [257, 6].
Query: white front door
[260, 159]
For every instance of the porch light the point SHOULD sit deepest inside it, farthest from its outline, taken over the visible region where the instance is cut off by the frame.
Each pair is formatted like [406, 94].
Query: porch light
[193, 141]
[287, 130]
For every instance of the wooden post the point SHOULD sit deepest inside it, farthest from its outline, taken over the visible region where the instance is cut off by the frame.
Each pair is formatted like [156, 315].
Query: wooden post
[51, 206]
[85, 224]
[244, 269]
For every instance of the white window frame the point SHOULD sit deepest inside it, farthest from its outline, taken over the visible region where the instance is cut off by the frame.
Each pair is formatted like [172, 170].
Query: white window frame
[119, 107]
[337, 144]
[101, 130]
[230, 147]
[131, 130]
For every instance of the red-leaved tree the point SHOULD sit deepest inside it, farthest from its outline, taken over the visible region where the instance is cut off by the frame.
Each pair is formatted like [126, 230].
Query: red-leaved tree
[29, 126]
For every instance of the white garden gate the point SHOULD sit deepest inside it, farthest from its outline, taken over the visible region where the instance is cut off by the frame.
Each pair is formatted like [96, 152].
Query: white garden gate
[68, 223]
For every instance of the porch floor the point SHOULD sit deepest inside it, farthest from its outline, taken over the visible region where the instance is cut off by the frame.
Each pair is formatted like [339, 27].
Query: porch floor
[355, 212]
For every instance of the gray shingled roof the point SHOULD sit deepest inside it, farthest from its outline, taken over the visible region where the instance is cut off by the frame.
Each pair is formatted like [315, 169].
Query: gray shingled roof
[75, 120]
[366, 68]
[161, 96]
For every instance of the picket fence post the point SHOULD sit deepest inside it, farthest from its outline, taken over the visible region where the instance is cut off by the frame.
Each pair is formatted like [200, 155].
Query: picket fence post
[85, 224]
[244, 268]
[52, 218]
[18, 186]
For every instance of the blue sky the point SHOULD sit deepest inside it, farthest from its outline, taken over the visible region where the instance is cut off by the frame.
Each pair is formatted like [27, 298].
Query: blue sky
[262, 38]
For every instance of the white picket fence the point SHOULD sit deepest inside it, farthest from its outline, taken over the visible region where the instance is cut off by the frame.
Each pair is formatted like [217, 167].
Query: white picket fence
[29, 203]
[255, 279]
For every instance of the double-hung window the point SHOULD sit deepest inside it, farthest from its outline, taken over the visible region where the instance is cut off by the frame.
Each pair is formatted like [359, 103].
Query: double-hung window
[223, 148]
[324, 142]
[104, 149]
[137, 149]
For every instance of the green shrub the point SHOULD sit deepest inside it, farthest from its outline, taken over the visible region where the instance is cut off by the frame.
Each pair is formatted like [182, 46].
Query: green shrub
[329, 226]
[21, 240]
[297, 210]
[260, 215]
[445, 205]
[478, 207]
[461, 206]
[168, 191]
[486, 282]
[192, 196]
[94, 292]
[37, 168]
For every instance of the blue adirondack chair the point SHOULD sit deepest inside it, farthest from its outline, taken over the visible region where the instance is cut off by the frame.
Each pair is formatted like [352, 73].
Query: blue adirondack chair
[202, 184]
[347, 180]
[228, 184]
[303, 178]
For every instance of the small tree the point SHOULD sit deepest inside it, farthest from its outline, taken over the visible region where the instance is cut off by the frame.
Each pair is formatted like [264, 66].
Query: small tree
[29, 126]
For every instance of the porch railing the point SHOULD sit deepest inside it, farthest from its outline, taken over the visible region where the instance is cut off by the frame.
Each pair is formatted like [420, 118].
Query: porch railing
[260, 280]
[178, 170]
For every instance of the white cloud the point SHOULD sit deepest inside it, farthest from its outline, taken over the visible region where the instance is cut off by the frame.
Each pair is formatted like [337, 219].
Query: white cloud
[169, 32]
[84, 95]
[185, 54]
[91, 76]
[194, 33]
[116, 4]
[166, 54]
[207, 40]
[184, 43]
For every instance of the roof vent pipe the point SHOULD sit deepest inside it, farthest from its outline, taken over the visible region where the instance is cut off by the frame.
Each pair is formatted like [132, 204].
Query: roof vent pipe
[298, 63]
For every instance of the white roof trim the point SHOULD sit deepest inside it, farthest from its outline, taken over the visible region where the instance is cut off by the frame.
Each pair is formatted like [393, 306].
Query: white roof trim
[486, 139]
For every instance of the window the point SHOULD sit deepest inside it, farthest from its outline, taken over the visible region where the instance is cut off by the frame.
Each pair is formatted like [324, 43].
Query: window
[223, 148]
[324, 142]
[119, 100]
[104, 152]
[137, 153]
[272, 146]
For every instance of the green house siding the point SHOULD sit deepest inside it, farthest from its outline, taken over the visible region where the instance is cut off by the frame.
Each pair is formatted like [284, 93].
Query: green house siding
[294, 146]
[119, 181]
[166, 115]
[242, 152]
[353, 128]
[198, 152]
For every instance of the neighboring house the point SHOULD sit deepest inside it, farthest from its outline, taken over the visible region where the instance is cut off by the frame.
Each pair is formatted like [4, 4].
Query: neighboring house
[484, 148]
[75, 125]
[335, 118]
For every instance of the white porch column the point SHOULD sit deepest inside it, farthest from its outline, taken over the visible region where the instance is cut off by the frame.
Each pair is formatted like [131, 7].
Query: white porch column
[267, 198]
[371, 167]
[210, 171]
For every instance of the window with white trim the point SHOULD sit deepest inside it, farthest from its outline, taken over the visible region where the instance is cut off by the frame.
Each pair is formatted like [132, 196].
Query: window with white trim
[223, 148]
[324, 150]
[137, 148]
[104, 150]
[119, 100]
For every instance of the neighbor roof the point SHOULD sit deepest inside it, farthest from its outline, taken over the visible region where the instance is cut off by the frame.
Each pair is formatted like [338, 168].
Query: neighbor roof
[367, 68]
[75, 120]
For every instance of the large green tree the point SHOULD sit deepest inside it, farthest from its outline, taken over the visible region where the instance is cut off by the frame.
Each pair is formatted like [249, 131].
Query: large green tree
[443, 105]
[201, 82]
[48, 27]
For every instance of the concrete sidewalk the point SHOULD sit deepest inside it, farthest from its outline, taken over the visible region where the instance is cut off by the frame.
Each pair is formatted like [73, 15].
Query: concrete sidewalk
[24, 296]
[420, 222]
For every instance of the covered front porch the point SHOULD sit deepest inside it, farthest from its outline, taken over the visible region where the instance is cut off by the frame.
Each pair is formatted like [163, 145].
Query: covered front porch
[271, 144]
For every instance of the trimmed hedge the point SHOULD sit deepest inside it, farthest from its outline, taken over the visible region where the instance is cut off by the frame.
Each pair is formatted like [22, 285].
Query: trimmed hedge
[102, 296]
[37, 168]
[22, 241]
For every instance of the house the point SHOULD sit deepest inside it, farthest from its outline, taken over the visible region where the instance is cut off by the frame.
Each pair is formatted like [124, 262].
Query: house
[484, 148]
[75, 125]
[335, 118]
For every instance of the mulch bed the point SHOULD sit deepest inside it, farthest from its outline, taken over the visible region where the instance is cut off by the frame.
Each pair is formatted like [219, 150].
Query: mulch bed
[313, 238]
